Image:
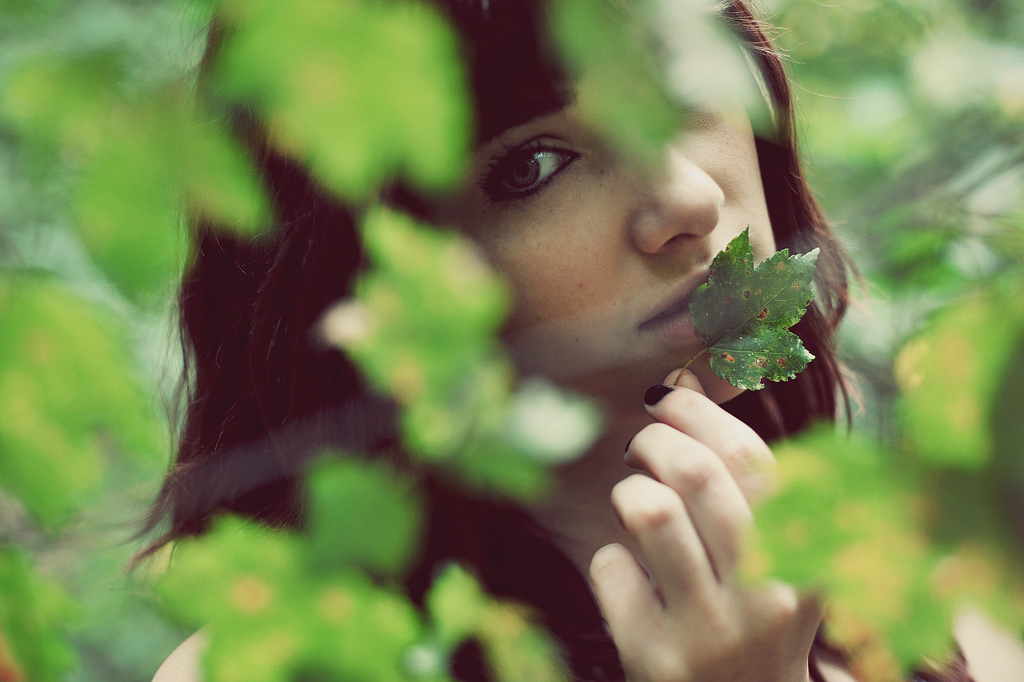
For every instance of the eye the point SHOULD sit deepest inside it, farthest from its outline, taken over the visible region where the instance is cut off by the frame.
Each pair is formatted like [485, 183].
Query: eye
[523, 171]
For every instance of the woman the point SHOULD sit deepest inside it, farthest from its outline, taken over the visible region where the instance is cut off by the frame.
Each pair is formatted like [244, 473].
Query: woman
[631, 571]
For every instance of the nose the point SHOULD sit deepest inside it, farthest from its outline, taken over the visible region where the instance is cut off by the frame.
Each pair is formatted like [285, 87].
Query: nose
[681, 204]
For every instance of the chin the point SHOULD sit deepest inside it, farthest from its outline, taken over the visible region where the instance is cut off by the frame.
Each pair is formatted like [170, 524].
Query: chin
[621, 388]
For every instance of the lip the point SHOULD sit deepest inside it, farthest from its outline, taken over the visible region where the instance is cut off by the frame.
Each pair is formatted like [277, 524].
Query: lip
[673, 314]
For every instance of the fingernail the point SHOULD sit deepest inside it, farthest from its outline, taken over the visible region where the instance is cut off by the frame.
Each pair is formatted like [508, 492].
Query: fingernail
[655, 394]
[627, 458]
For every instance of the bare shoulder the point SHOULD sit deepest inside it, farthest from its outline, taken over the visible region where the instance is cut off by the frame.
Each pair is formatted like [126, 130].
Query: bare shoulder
[183, 663]
[993, 654]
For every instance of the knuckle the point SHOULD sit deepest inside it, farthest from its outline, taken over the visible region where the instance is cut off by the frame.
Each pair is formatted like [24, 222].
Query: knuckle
[644, 504]
[666, 664]
[783, 604]
[744, 450]
[700, 472]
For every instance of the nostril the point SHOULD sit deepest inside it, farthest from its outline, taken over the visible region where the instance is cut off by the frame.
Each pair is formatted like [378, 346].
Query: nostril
[685, 202]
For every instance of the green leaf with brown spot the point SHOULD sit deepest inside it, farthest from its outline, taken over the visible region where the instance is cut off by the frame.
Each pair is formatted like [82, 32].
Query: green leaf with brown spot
[744, 311]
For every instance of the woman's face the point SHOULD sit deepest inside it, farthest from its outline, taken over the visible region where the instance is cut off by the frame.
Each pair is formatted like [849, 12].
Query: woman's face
[602, 253]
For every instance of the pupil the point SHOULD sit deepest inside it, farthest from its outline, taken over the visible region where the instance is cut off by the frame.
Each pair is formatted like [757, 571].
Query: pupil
[525, 173]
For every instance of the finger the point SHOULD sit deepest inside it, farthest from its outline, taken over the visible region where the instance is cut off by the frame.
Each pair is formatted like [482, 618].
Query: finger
[718, 510]
[675, 556]
[630, 605]
[693, 413]
[791, 617]
[685, 379]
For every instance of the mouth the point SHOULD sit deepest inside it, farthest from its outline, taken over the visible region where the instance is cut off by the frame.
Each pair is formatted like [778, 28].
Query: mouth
[677, 307]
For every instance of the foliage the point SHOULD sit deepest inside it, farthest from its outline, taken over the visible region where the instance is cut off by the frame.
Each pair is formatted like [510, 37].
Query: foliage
[33, 613]
[315, 61]
[745, 309]
[176, 155]
[834, 519]
[275, 605]
[63, 401]
[914, 115]
[422, 325]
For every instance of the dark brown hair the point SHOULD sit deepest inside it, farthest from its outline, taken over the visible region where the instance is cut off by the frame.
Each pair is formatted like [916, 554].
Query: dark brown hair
[263, 394]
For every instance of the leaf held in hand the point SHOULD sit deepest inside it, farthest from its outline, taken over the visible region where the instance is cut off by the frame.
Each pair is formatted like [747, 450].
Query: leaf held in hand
[743, 314]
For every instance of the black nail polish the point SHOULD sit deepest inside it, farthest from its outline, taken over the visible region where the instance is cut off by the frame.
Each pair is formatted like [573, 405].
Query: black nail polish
[655, 394]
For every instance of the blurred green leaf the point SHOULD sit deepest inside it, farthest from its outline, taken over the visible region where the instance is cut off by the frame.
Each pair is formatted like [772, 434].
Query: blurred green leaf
[853, 521]
[14, 14]
[142, 159]
[1007, 435]
[618, 87]
[456, 605]
[65, 389]
[422, 326]
[516, 648]
[917, 256]
[949, 375]
[429, 310]
[269, 617]
[862, 38]
[34, 615]
[66, 101]
[128, 214]
[363, 515]
[316, 69]
[838, 511]
[490, 464]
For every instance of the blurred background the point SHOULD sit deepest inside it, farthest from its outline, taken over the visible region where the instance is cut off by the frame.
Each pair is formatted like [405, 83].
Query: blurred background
[912, 116]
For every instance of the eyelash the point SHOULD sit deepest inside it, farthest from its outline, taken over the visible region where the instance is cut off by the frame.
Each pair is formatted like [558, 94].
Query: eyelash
[504, 161]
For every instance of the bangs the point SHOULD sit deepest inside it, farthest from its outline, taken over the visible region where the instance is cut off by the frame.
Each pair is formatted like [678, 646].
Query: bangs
[514, 72]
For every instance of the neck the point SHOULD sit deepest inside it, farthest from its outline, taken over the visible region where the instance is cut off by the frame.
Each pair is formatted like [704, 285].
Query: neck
[579, 514]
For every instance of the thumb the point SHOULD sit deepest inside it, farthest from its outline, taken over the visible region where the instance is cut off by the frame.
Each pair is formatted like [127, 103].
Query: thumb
[685, 379]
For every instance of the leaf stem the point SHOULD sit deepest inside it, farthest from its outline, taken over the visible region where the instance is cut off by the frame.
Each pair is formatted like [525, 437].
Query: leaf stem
[675, 382]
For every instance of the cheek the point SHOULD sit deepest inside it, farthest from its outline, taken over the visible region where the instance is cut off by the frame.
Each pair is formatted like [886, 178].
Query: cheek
[547, 284]
[562, 257]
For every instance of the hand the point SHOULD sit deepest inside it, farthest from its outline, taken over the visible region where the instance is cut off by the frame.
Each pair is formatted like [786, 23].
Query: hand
[684, 618]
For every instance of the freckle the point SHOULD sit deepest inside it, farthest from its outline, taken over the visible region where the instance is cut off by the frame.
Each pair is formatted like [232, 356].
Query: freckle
[580, 285]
